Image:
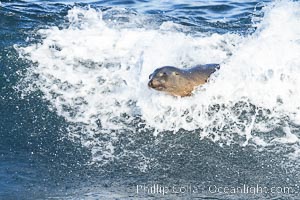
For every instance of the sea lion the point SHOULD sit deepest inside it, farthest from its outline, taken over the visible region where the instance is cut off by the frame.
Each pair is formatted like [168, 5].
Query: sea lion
[180, 82]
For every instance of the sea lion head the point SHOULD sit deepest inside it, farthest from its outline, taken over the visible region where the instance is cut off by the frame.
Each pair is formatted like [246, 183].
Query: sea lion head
[168, 79]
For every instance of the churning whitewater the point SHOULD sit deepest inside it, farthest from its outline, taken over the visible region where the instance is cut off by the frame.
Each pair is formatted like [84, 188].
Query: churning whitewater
[93, 70]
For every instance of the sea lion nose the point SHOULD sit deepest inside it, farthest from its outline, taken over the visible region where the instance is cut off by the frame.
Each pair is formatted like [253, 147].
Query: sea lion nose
[150, 83]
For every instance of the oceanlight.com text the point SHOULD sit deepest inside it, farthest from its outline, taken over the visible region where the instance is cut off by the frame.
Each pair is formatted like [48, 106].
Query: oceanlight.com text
[256, 189]
[161, 189]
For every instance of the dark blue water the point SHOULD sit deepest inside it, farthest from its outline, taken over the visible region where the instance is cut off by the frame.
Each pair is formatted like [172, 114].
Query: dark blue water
[39, 160]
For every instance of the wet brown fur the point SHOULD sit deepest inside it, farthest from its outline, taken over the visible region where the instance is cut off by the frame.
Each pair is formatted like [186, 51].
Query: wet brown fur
[180, 82]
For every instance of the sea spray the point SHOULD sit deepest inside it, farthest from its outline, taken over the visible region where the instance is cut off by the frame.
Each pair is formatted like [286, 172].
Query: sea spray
[94, 74]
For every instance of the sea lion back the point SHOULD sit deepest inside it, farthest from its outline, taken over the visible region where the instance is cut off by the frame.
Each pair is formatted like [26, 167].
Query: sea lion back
[207, 69]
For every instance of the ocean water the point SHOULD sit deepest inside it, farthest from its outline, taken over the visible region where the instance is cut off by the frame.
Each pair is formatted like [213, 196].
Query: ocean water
[77, 120]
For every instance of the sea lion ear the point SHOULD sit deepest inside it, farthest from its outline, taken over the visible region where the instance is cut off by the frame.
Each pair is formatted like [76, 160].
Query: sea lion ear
[150, 76]
[175, 73]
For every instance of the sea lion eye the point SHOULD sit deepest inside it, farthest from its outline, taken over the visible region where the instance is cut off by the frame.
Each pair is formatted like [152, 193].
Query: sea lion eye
[162, 74]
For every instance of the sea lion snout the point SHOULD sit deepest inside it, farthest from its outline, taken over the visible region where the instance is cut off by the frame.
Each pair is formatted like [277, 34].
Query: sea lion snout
[156, 84]
[150, 84]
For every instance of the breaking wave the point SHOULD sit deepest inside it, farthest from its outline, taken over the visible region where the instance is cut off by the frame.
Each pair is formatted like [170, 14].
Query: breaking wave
[93, 71]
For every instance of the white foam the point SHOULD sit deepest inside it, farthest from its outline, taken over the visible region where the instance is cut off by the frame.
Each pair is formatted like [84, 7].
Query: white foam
[289, 137]
[90, 71]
